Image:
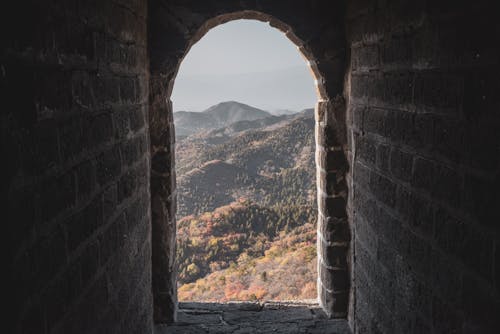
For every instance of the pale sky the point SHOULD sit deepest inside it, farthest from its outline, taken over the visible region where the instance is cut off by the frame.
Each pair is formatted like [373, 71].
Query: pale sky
[246, 61]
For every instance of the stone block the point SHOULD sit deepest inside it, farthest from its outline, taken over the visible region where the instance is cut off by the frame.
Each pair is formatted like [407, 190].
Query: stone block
[418, 253]
[137, 118]
[361, 87]
[333, 303]
[39, 148]
[161, 162]
[382, 157]
[448, 138]
[130, 151]
[356, 114]
[57, 194]
[368, 207]
[397, 52]
[437, 91]
[47, 256]
[398, 88]
[361, 175]
[421, 216]
[481, 195]
[327, 136]
[109, 201]
[386, 256]
[364, 234]
[71, 138]
[85, 180]
[365, 58]
[112, 238]
[89, 262]
[331, 183]
[401, 165]
[331, 161]
[334, 230]
[52, 91]
[383, 189]
[376, 121]
[449, 185]
[128, 89]
[127, 185]
[424, 174]
[446, 277]
[332, 255]
[20, 207]
[399, 127]
[121, 123]
[98, 130]
[108, 165]
[420, 132]
[83, 224]
[366, 150]
[332, 206]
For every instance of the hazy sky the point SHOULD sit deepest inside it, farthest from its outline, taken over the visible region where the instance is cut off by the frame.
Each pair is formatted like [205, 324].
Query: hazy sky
[246, 61]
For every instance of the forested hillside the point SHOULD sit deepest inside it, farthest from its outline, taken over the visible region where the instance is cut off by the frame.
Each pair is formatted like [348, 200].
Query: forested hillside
[247, 210]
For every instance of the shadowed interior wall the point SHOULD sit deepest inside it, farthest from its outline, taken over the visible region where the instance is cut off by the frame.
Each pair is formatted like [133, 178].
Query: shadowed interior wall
[421, 91]
[424, 121]
[75, 141]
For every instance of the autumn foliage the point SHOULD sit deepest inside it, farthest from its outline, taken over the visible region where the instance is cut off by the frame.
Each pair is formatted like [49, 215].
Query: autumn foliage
[244, 252]
[247, 213]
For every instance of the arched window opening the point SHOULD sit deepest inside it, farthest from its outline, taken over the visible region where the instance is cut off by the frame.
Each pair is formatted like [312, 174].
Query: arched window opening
[243, 103]
[330, 167]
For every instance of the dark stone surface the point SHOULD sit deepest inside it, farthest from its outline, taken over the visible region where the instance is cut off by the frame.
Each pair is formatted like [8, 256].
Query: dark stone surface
[269, 317]
[408, 160]
[65, 86]
[421, 220]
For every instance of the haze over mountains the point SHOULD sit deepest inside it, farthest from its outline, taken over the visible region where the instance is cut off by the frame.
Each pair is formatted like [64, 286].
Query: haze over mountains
[290, 88]
[246, 204]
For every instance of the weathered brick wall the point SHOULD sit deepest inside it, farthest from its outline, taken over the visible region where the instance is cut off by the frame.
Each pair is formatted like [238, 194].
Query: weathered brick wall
[317, 28]
[75, 147]
[424, 123]
[422, 146]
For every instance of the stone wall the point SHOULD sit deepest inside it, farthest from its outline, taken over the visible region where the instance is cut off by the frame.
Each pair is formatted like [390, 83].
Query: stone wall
[424, 120]
[87, 141]
[75, 146]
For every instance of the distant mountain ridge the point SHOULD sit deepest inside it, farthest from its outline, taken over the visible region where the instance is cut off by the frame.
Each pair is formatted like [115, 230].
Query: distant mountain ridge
[216, 167]
[229, 112]
[218, 116]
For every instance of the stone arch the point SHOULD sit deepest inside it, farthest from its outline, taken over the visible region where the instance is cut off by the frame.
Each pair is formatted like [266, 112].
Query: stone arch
[327, 67]
[273, 22]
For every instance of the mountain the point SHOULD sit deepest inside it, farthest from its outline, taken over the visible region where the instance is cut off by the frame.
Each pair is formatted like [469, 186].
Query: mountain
[226, 113]
[189, 122]
[279, 112]
[247, 208]
[220, 166]
[217, 116]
